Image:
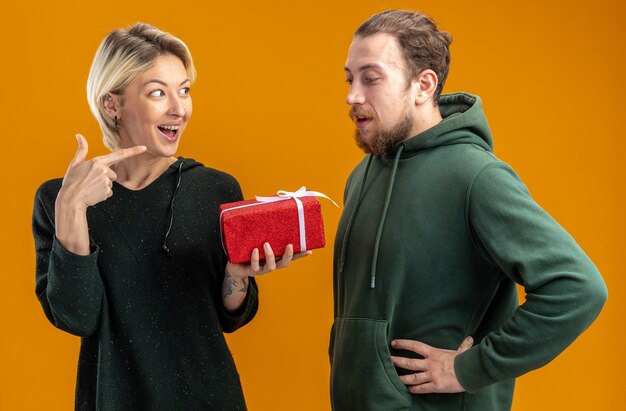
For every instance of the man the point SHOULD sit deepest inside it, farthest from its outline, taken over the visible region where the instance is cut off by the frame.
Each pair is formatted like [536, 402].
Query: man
[435, 234]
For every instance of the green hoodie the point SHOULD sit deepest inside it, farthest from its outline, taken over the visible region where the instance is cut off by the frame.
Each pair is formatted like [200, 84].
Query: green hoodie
[433, 238]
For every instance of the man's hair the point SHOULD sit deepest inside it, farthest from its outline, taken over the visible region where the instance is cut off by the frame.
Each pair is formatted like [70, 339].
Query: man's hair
[423, 45]
[121, 57]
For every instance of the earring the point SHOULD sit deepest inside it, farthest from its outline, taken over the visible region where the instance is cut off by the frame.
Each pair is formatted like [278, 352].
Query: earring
[115, 122]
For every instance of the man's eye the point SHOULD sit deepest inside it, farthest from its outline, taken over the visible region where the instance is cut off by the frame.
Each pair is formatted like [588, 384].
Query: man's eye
[157, 93]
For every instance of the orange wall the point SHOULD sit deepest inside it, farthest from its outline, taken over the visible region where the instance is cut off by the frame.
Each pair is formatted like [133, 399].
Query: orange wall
[269, 108]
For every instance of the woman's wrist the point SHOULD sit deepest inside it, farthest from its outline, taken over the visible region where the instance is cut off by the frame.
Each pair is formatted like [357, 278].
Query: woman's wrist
[234, 274]
[71, 228]
[65, 201]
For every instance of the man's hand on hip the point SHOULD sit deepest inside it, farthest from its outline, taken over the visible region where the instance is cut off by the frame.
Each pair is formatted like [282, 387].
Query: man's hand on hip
[435, 371]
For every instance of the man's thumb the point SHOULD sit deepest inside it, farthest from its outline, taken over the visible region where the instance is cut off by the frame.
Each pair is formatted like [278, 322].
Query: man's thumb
[466, 344]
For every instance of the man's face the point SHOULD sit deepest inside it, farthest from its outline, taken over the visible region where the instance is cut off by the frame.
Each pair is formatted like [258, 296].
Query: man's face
[380, 98]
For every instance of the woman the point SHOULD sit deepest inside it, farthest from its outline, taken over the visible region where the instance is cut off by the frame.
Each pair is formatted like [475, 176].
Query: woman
[128, 244]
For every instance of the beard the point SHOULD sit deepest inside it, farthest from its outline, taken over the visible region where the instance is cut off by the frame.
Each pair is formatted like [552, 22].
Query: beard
[382, 142]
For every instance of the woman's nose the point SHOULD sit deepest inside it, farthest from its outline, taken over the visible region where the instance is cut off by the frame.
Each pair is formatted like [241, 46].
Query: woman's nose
[177, 108]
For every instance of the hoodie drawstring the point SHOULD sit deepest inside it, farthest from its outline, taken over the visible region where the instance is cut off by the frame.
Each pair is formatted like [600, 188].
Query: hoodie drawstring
[351, 220]
[169, 227]
[383, 216]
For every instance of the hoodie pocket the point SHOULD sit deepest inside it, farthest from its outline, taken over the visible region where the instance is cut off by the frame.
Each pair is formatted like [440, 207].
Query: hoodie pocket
[362, 375]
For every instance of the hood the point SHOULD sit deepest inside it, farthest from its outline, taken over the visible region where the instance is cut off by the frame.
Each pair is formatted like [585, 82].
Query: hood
[182, 166]
[463, 122]
[185, 164]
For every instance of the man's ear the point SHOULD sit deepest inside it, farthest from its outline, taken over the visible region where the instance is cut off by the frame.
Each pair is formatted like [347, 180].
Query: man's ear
[426, 82]
[111, 104]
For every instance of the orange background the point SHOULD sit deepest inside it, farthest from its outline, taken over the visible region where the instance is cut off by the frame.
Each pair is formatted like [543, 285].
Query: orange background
[269, 108]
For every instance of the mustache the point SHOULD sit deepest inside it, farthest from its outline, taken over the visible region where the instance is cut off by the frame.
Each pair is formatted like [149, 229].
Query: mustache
[353, 113]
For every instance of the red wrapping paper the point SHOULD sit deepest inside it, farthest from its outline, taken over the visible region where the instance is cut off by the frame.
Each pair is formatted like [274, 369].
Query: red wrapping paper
[247, 228]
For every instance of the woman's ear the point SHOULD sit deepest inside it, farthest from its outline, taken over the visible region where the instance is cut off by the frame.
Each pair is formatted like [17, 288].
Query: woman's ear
[111, 104]
[427, 84]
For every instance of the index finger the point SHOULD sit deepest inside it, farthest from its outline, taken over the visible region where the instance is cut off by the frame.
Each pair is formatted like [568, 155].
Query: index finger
[121, 154]
[412, 345]
[413, 364]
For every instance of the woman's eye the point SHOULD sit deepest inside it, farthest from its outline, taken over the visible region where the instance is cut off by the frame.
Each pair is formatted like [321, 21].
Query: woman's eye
[157, 93]
[349, 80]
[184, 91]
[370, 80]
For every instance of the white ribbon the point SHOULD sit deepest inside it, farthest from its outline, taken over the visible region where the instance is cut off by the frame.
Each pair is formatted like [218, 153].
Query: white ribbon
[287, 195]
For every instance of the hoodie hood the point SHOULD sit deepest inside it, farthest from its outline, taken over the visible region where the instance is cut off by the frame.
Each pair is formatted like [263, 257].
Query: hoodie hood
[463, 122]
[185, 164]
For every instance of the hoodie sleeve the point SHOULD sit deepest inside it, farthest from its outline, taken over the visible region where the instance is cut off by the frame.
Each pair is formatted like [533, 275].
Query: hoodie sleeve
[564, 290]
[68, 285]
[232, 321]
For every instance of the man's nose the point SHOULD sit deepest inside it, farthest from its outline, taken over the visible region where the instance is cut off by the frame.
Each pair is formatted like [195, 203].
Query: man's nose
[355, 96]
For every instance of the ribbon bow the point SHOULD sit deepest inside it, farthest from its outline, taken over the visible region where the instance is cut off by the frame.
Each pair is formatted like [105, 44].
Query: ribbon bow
[283, 195]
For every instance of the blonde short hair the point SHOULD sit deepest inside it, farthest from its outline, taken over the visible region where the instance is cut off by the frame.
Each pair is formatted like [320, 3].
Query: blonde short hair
[122, 56]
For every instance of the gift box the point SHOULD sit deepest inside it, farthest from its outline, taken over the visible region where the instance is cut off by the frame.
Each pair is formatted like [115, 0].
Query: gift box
[289, 218]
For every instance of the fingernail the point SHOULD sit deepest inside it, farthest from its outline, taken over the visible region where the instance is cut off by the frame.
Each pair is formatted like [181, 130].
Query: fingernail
[393, 343]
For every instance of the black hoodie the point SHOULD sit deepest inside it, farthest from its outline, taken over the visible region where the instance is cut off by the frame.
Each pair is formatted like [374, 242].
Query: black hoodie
[147, 300]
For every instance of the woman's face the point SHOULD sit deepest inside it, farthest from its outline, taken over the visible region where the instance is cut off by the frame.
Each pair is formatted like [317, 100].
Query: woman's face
[156, 107]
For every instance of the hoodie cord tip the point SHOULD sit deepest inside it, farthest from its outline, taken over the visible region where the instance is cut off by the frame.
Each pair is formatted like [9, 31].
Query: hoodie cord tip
[167, 250]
